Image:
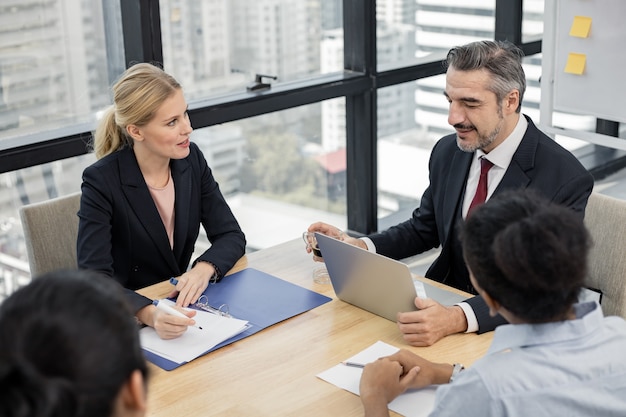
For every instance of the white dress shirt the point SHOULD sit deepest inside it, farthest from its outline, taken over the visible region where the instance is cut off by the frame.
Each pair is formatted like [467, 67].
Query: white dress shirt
[500, 157]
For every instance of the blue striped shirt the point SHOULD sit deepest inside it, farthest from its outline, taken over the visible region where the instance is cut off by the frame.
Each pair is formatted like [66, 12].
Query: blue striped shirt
[568, 368]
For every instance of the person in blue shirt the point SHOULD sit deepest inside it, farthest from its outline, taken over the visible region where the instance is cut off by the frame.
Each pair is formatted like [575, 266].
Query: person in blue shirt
[528, 259]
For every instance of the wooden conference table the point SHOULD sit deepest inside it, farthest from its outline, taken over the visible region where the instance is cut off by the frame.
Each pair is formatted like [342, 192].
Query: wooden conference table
[273, 373]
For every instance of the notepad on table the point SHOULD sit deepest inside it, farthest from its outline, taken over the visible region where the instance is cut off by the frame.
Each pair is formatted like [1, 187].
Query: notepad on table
[194, 342]
[413, 403]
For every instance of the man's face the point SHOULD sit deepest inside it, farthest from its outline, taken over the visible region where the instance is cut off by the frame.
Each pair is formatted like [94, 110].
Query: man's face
[474, 111]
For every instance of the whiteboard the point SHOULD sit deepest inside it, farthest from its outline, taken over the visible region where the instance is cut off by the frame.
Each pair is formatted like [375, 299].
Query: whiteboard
[600, 90]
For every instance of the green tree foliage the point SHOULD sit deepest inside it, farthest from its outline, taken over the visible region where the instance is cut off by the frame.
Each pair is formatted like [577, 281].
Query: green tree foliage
[276, 168]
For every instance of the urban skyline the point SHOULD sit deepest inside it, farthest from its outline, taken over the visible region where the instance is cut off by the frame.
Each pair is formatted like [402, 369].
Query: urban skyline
[215, 47]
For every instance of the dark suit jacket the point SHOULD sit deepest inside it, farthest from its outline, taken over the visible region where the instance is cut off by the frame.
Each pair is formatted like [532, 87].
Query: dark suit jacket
[122, 235]
[538, 163]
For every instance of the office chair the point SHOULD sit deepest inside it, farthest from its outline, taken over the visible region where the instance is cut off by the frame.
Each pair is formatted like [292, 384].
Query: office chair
[50, 232]
[605, 218]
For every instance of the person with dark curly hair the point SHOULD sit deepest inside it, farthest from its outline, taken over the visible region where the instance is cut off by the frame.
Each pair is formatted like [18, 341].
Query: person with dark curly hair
[527, 257]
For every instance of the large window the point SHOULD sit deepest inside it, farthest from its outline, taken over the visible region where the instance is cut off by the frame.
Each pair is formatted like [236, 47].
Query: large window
[355, 107]
[57, 59]
[218, 47]
[281, 171]
[532, 19]
[411, 32]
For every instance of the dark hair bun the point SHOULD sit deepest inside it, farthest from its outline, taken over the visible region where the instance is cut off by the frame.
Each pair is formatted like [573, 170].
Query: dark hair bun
[24, 392]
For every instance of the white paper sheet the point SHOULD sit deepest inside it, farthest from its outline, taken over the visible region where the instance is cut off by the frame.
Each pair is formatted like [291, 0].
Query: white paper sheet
[413, 403]
[194, 342]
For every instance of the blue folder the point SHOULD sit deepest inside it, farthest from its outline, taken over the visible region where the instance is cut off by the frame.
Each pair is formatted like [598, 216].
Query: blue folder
[260, 298]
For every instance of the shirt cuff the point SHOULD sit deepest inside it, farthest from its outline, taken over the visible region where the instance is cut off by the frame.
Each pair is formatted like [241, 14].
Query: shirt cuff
[370, 245]
[472, 322]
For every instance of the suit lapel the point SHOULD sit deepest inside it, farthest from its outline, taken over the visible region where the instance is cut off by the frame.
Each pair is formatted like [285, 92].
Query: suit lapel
[519, 172]
[455, 187]
[182, 176]
[141, 203]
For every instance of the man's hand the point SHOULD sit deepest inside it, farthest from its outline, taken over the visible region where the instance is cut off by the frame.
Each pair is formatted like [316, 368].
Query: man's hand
[431, 322]
[334, 232]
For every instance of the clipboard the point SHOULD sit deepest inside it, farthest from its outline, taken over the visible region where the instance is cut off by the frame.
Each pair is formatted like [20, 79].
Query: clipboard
[258, 297]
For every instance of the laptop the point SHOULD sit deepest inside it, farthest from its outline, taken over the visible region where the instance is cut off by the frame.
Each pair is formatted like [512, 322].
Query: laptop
[373, 282]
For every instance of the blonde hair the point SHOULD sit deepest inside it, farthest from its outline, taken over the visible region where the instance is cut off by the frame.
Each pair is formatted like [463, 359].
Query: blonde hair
[137, 95]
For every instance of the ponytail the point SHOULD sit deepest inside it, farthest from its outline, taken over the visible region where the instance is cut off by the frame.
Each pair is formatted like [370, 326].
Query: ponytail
[109, 137]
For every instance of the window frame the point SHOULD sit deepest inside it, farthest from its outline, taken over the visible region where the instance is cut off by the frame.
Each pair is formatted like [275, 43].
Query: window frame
[358, 83]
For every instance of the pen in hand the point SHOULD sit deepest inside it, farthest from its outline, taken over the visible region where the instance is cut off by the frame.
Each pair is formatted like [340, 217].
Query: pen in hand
[353, 364]
[362, 365]
[170, 310]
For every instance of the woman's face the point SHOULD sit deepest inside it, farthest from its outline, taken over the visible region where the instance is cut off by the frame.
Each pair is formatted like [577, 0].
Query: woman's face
[167, 134]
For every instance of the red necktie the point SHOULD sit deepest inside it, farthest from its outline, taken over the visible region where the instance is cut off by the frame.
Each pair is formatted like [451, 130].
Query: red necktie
[481, 190]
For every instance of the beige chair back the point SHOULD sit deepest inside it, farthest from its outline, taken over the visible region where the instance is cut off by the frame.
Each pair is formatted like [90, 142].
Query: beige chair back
[50, 231]
[605, 217]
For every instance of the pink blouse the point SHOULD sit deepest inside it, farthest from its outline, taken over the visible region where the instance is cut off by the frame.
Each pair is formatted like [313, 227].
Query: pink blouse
[164, 200]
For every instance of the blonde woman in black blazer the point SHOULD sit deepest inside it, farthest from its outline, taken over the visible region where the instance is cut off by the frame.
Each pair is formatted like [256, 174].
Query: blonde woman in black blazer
[142, 145]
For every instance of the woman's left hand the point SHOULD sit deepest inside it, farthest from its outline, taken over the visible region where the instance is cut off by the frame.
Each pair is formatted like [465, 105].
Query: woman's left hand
[192, 283]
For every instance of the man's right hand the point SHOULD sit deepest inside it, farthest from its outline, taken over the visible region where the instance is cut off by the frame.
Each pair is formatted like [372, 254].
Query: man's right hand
[335, 232]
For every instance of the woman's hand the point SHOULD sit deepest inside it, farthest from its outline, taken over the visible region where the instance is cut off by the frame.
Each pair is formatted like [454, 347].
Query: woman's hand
[166, 325]
[192, 284]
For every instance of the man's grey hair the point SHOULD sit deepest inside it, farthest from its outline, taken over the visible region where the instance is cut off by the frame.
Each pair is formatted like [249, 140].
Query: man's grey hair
[503, 60]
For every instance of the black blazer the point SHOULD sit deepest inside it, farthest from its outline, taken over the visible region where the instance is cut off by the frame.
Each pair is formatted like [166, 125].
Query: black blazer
[121, 234]
[538, 163]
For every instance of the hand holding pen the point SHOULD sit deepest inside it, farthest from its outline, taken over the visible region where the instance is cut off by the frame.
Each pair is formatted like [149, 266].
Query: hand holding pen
[169, 322]
[171, 310]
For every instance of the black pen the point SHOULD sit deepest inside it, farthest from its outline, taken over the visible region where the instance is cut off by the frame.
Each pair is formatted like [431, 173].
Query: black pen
[353, 364]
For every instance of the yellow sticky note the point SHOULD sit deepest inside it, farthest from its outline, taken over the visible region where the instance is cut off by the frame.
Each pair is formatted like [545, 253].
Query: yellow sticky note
[575, 63]
[580, 27]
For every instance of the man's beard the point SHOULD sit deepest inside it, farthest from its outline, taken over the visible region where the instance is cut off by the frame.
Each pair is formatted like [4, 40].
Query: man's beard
[483, 140]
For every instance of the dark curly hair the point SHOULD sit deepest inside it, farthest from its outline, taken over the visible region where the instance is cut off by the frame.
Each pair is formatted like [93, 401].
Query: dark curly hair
[528, 254]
